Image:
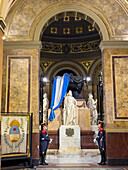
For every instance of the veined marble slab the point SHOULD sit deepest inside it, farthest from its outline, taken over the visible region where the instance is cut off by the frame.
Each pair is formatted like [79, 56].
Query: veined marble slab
[69, 139]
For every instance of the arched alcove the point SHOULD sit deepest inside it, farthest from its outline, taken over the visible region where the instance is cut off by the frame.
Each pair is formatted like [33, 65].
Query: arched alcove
[46, 17]
[62, 65]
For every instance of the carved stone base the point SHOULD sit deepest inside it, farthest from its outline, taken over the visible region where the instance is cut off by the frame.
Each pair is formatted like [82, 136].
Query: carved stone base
[54, 134]
[87, 140]
[69, 139]
[84, 119]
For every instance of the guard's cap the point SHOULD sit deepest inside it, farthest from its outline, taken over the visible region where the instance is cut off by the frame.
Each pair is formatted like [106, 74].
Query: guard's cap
[43, 124]
[100, 122]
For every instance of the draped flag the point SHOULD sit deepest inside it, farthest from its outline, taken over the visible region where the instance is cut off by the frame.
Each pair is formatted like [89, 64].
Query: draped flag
[60, 86]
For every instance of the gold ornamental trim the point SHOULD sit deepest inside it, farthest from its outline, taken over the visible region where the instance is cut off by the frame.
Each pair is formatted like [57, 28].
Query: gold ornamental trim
[35, 131]
[118, 130]
[49, 47]
[2, 24]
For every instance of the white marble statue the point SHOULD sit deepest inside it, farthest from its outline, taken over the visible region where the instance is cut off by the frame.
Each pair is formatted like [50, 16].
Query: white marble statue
[92, 106]
[45, 107]
[70, 111]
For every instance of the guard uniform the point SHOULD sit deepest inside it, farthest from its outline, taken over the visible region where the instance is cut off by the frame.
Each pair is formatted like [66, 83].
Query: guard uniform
[101, 143]
[44, 139]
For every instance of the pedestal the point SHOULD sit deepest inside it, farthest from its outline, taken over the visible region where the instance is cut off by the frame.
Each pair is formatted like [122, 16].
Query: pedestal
[84, 119]
[69, 139]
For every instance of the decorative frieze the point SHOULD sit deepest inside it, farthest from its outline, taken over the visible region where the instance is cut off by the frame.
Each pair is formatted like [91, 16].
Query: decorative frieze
[70, 48]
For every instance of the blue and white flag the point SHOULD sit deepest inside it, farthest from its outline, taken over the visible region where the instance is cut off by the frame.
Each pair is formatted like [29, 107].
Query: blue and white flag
[60, 86]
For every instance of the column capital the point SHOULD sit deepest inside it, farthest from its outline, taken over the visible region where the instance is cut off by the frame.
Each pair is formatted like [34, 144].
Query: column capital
[2, 24]
[113, 45]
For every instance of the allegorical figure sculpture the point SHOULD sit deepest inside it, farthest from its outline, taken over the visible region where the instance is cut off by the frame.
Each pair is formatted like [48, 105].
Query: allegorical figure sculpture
[92, 106]
[45, 107]
[70, 111]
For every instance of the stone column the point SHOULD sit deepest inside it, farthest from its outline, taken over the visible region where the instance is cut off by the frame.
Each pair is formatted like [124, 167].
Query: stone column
[21, 84]
[115, 78]
[2, 27]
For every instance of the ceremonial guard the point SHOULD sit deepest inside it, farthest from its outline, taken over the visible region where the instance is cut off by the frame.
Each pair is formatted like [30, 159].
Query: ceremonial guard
[101, 142]
[44, 139]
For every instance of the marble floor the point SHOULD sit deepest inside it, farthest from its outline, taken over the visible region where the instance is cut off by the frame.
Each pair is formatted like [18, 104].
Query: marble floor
[86, 160]
[73, 159]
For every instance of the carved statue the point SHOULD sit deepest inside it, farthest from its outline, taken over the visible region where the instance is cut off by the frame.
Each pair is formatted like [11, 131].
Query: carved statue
[92, 106]
[70, 111]
[45, 107]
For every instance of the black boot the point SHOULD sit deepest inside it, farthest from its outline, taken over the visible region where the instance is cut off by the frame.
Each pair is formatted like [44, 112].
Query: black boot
[104, 158]
[100, 163]
[43, 160]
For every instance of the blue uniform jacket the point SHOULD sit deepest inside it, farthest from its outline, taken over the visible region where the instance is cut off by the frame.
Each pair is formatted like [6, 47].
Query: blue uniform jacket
[44, 142]
[101, 140]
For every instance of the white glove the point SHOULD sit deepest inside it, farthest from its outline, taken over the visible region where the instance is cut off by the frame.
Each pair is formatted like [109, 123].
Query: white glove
[94, 140]
[50, 140]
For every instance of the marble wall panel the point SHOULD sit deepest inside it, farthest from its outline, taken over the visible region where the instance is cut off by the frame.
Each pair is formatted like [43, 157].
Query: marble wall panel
[1, 65]
[108, 86]
[18, 84]
[35, 145]
[117, 145]
[120, 86]
[34, 81]
[26, 15]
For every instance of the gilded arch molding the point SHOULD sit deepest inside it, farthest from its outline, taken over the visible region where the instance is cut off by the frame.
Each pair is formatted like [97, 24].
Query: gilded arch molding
[105, 29]
[65, 65]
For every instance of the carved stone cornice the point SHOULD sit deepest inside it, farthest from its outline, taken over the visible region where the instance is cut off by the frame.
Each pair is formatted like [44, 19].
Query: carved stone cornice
[22, 45]
[113, 45]
[2, 24]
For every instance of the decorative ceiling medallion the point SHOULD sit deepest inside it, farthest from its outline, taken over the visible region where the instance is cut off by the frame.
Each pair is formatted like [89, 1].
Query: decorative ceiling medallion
[45, 64]
[87, 64]
[91, 28]
[54, 30]
[77, 18]
[66, 30]
[66, 19]
[79, 30]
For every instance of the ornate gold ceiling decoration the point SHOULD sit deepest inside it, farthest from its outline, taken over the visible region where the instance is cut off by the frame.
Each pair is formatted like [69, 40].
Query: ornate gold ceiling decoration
[87, 64]
[45, 65]
[49, 47]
